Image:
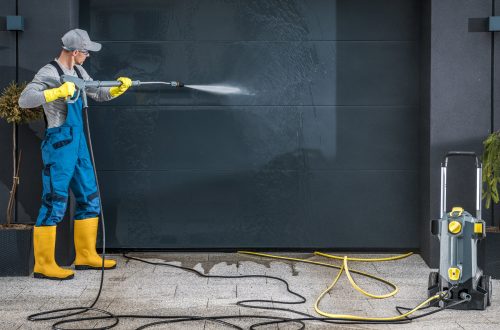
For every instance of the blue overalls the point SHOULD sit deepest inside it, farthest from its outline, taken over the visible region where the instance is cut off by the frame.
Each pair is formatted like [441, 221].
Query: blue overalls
[67, 164]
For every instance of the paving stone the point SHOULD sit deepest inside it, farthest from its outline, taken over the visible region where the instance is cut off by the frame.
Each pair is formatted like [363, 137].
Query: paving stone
[138, 288]
[424, 324]
[44, 289]
[208, 290]
[11, 291]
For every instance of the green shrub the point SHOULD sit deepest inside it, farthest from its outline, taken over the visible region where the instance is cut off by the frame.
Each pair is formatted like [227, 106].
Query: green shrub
[491, 167]
[10, 109]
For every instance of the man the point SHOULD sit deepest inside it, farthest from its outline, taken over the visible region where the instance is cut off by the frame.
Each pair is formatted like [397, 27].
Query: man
[66, 158]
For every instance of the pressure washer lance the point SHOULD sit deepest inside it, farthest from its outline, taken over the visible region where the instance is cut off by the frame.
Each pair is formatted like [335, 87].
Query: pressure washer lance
[81, 85]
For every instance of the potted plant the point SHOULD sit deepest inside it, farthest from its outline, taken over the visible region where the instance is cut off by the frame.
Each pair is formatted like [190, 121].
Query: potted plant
[16, 252]
[491, 179]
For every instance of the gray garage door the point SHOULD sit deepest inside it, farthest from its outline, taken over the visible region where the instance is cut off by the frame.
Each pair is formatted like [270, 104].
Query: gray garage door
[319, 151]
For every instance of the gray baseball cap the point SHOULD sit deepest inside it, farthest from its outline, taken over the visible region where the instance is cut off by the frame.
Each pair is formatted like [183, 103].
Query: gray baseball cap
[77, 39]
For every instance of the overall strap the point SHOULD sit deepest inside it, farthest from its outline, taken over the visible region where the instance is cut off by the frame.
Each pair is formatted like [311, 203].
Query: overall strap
[61, 72]
[58, 67]
[78, 73]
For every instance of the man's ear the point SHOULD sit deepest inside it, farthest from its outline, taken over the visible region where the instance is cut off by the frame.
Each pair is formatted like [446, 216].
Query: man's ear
[75, 52]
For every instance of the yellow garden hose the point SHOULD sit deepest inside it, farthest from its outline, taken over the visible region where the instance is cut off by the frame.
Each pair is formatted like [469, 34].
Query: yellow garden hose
[401, 256]
[364, 318]
[351, 280]
[348, 272]
[265, 255]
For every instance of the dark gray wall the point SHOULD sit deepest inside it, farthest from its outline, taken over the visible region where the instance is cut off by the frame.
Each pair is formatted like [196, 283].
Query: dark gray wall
[496, 97]
[458, 104]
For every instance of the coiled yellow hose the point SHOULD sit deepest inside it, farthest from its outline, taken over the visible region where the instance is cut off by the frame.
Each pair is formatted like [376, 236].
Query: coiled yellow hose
[345, 268]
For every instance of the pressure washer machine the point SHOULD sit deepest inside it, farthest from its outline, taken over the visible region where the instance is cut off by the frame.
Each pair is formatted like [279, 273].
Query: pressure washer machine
[459, 234]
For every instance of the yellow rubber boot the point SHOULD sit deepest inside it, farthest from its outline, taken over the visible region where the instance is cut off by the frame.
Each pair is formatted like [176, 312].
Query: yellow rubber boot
[44, 244]
[85, 240]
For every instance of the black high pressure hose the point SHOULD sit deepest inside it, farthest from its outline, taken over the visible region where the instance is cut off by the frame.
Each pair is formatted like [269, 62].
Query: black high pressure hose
[167, 319]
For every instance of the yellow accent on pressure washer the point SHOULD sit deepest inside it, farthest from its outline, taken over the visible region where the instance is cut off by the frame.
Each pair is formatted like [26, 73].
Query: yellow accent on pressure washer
[454, 274]
[458, 209]
[478, 228]
[454, 227]
[345, 268]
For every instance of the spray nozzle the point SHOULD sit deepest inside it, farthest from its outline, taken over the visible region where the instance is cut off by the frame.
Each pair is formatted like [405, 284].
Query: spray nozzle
[176, 84]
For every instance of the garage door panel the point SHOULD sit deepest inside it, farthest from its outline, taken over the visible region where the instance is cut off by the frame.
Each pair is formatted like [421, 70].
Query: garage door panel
[220, 138]
[361, 138]
[291, 138]
[252, 20]
[359, 209]
[305, 73]
[377, 73]
[377, 20]
[217, 209]
[153, 209]
[270, 73]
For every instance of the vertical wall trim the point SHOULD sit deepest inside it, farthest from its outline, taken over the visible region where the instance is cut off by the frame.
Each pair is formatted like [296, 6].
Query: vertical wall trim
[492, 127]
[17, 45]
[16, 137]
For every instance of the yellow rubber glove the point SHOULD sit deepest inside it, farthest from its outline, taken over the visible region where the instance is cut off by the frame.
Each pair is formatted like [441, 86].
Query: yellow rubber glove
[65, 90]
[119, 90]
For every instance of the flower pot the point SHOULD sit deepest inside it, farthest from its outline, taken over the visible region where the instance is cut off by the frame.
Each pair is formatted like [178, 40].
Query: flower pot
[16, 250]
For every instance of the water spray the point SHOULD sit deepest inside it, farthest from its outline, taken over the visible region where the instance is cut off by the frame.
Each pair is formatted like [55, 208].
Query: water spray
[217, 89]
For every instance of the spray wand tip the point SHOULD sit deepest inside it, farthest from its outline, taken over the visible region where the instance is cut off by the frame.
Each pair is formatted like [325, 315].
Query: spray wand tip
[176, 84]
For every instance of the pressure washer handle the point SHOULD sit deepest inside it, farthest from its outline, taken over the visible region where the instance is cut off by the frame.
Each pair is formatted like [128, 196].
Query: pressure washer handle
[479, 178]
[460, 153]
[81, 85]
[111, 83]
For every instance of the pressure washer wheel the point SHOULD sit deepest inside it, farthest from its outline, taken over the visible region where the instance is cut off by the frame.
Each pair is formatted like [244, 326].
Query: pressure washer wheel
[433, 285]
[433, 279]
[486, 285]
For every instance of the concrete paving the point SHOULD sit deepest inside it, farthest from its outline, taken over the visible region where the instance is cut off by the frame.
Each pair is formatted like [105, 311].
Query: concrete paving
[139, 288]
